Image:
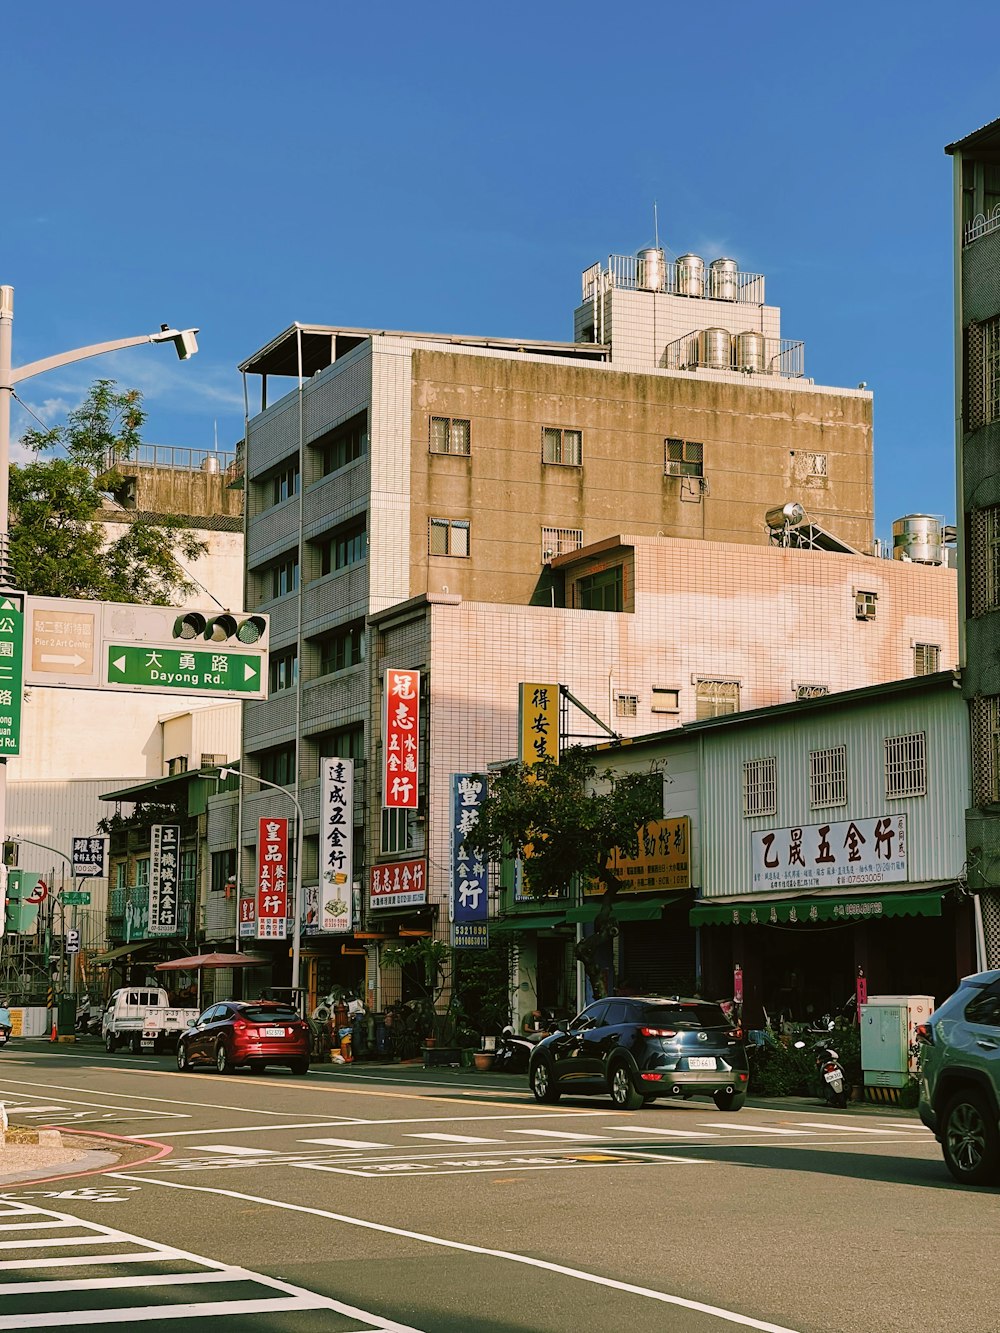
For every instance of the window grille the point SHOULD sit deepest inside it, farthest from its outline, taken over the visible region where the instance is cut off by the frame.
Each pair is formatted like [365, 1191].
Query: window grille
[865, 604]
[906, 765]
[828, 777]
[626, 705]
[986, 749]
[177, 765]
[926, 658]
[683, 458]
[562, 446]
[213, 761]
[560, 541]
[991, 369]
[760, 787]
[451, 435]
[449, 537]
[809, 467]
[713, 698]
[666, 701]
[984, 560]
[811, 691]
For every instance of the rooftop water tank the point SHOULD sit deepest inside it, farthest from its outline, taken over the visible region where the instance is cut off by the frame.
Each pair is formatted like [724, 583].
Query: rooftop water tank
[715, 348]
[749, 351]
[787, 516]
[690, 275]
[650, 270]
[723, 283]
[918, 537]
[210, 463]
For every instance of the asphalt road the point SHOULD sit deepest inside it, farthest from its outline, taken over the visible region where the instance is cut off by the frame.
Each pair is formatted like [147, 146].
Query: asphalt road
[387, 1197]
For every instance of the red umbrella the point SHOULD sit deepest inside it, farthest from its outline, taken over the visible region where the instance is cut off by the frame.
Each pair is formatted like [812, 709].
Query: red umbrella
[201, 960]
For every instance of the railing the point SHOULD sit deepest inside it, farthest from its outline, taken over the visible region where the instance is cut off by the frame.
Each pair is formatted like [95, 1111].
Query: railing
[981, 225]
[781, 356]
[625, 271]
[169, 455]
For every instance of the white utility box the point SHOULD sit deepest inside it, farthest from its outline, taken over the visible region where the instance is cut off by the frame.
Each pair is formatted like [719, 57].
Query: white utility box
[888, 1035]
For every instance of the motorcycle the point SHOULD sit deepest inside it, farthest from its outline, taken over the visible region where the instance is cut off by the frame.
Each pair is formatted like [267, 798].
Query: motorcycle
[4, 1036]
[836, 1088]
[513, 1050]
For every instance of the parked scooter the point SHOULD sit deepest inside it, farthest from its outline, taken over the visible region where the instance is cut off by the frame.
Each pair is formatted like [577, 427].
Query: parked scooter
[513, 1050]
[836, 1088]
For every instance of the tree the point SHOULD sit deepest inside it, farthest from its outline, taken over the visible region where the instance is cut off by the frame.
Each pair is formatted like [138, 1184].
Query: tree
[566, 820]
[58, 546]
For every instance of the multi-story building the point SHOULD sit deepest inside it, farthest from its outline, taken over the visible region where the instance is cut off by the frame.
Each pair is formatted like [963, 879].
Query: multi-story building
[977, 414]
[665, 515]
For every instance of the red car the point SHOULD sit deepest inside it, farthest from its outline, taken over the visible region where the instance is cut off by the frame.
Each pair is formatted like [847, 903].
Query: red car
[256, 1033]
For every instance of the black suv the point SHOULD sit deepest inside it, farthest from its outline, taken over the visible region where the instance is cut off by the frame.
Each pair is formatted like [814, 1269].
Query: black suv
[641, 1048]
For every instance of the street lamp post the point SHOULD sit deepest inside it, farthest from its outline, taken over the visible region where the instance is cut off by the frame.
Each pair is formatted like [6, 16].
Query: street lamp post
[296, 879]
[184, 341]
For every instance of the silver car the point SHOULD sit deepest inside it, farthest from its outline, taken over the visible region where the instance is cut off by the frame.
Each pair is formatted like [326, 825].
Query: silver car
[960, 1079]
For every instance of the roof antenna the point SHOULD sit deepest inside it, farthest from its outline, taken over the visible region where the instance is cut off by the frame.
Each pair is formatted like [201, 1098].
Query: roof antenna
[656, 228]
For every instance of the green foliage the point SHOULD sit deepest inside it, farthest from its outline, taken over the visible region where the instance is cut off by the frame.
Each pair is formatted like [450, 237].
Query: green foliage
[143, 817]
[482, 987]
[779, 1070]
[57, 546]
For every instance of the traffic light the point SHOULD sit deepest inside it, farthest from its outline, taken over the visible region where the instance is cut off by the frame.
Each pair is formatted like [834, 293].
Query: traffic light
[221, 628]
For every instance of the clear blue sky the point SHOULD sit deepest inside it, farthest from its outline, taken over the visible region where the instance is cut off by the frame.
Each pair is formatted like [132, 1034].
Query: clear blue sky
[454, 167]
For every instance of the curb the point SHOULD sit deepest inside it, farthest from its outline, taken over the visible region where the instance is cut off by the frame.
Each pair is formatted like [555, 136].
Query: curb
[88, 1161]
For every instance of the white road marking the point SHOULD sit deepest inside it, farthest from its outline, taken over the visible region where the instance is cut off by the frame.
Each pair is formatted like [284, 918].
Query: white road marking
[843, 1124]
[231, 1151]
[748, 1127]
[560, 1134]
[449, 1138]
[665, 1298]
[335, 1122]
[31, 1109]
[670, 1133]
[346, 1143]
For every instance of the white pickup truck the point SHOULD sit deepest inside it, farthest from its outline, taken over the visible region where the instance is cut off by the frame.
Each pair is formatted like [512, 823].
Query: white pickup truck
[142, 1018]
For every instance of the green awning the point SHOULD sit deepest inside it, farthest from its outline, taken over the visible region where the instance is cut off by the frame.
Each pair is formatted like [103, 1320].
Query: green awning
[526, 922]
[123, 950]
[624, 911]
[803, 911]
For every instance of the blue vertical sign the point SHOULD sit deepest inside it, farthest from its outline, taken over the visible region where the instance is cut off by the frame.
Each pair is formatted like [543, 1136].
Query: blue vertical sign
[469, 897]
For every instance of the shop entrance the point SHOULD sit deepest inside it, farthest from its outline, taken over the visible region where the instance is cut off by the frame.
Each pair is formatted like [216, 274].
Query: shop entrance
[806, 971]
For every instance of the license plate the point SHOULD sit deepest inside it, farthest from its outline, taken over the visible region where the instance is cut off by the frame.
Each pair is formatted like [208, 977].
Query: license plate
[701, 1062]
[272, 1032]
[833, 1076]
[147, 1045]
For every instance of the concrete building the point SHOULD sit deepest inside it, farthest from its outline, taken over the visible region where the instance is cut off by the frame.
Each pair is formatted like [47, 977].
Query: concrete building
[665, 515]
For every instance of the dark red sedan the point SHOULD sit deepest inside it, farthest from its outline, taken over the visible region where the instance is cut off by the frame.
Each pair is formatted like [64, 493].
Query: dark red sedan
[255, 1033]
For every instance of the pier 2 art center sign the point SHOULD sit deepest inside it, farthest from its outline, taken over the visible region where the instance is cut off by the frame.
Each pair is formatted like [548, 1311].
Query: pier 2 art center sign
[828, 856]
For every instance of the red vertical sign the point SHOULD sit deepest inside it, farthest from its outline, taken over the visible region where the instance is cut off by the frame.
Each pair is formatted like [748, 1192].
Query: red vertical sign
[272, 879]
[401, 739]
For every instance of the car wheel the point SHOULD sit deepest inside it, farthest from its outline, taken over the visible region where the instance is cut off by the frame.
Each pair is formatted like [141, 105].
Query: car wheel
[222, 1061]
[729, 1101]
[543, 1084]
[110, 1043]
[183, 1063]
[300, 1066]
[970, 1140]
[622, 1090]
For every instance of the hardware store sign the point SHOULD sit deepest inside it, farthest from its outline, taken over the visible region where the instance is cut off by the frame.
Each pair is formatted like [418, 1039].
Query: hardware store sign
[826, 856]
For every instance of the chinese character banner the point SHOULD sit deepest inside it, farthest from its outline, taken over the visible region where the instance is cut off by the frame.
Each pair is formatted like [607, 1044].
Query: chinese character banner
[663, 862]
[400, 739]
[272, 879]
[164, 874]
[538, 723]
[826, 856]
[90, 856]
[336, 847]
[469, 900]
[399, 884]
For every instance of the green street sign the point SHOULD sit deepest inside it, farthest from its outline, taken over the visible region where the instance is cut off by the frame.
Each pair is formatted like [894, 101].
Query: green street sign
[77, 896]
[11, 670]
[147, 667]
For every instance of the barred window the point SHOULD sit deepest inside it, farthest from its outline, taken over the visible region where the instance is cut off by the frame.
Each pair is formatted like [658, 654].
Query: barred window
[562, 446]
[683, 458]
[811, 691]
[986, 749]
[809, 466]
[560, 541]
[828, 777]
[984, 560]
[626, 705]
[926, 658]
[449, 537]
[865, 605]
[991, 369]
[760, 787]
[906, 765]
[713, 698]
[451, 435]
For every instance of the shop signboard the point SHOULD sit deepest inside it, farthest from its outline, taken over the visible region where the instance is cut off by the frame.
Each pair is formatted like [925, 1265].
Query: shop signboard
[335, 901]
[469, 897]
[164, 868]
[11, 671]
[248, 917]
[272, 879]
[90, 856]
[400, 739]
[827, 856]
[663, 860]
[538, 722]
[398, 884]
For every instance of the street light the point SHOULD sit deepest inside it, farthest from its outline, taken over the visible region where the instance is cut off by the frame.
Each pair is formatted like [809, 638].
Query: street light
[184, 341]
[225, 773]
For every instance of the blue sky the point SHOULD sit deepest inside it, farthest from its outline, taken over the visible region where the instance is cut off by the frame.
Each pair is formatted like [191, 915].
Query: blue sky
[455, 167]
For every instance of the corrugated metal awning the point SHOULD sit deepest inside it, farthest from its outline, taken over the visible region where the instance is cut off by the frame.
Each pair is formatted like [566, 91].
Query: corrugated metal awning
[805, 910]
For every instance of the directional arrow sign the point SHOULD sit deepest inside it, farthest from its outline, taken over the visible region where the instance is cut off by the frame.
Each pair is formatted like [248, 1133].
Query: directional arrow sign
[223, 673]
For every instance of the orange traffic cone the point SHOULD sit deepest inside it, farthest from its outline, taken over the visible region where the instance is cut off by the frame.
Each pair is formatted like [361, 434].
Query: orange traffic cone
[55, 1031]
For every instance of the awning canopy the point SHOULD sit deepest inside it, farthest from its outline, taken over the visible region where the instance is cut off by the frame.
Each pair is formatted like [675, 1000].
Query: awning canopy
[123, 949]
[804, 910]
[526, 922]
[630, 911]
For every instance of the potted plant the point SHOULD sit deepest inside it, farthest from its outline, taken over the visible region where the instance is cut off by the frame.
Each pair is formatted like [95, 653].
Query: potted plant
[427, 962]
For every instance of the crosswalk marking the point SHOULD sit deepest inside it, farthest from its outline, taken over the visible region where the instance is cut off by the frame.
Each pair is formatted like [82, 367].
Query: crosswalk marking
[237, 1151]
[853, 1129]
[346, 1143]
[560, 1134]
[754, 1129]
[669, 1133]
[454, 1138]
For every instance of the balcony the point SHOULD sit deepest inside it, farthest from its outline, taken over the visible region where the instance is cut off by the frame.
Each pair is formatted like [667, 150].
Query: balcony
[981, 225]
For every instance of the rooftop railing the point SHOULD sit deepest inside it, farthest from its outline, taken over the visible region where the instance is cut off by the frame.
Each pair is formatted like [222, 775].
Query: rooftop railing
[768, 356]
[173, 456]
[630, 273]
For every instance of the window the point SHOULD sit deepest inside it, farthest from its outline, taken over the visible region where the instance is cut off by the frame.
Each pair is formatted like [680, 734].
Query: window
[178, 764]
[828, 777]
[865, 604]
[602, 591]
[906, 765]
[760, 786]
[626, 705]
[285, 484]
[810, 691]
[560, 541]
[562, 446]
[666, 701]
[142, 872]
[926, 658]
[223, 870]
[713, 698]
[399, 831]
[213, 761]
[987, 391]
[342, 445]
[284, 576]
[809, 468]
[344, 647]
[346, 547]
[683, 458]
[278, 765]
[984, 1010]
[450, 435]
[283, 670]
[341, 743]
[985, 713]
[121, 875]
[449, 537]
[984, 560]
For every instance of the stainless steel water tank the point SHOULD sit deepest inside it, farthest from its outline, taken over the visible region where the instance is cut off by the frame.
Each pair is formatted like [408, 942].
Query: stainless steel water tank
[723, 284]
[789, 515]
[690, 275]
[749, 351]
[715, 348]
[210, 463]
[918, 537]
[650, 269]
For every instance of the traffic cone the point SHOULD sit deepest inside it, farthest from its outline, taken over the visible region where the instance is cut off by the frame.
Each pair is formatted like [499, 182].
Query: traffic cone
[55, 1031]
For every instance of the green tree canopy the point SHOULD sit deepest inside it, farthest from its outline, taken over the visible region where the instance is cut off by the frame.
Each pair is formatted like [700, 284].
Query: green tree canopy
[58, 546]
[569, 817]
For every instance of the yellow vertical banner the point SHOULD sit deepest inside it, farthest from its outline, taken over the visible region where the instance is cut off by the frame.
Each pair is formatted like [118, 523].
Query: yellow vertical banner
[538, 722]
